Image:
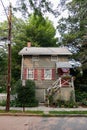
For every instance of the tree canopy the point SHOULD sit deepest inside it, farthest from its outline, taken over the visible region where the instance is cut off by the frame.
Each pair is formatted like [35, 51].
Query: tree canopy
[39, 7]
[41, 31]
[74, 28]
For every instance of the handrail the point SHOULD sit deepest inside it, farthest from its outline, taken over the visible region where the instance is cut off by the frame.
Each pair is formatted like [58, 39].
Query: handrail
[58, 83]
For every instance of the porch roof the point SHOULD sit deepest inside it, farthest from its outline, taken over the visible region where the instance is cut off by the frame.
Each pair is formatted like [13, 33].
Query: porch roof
[63, 65]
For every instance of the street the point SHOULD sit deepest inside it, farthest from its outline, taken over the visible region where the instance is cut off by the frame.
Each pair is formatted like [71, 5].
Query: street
[42, 123]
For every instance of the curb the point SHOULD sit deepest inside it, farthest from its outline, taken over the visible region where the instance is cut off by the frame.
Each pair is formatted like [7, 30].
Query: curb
[43, 115]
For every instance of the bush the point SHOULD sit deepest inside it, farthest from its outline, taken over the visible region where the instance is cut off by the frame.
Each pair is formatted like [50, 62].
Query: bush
[80, 96]
[16, 103]
[26, 94]
[84, 102]
[66, 104]
[3, 103]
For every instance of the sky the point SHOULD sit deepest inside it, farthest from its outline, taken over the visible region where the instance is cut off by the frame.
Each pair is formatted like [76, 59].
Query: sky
[6, 4]
[50, 16]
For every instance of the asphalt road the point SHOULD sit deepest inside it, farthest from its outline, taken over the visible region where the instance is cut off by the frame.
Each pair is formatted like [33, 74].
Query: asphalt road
[42, 123]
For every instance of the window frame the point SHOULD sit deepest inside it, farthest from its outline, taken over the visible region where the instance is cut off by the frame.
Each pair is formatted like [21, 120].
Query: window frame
[46, 75]
[53, 59]
[35, 58]
[31, 78]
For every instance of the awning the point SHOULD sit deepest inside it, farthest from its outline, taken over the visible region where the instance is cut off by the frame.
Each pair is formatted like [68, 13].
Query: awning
[63, 65]
[65, 70]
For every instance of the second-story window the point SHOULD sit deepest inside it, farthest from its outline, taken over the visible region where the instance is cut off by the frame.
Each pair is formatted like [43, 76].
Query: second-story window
[54, 58]
[35, 58]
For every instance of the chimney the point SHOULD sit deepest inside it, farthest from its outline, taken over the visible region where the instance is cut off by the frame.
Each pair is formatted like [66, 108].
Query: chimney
[29, 44]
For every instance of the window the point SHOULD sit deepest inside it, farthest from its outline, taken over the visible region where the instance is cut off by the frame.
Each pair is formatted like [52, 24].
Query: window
[35, 58]
[33, 74]
[30, 74]
[54, 58]
[47, 74]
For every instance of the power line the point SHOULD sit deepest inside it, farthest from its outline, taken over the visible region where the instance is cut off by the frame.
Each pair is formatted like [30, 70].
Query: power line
[4, 9]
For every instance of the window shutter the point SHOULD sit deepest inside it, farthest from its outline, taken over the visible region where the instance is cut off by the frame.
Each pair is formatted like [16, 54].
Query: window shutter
[35, 74]
[53, 74]
[42, 74]
[25, 73]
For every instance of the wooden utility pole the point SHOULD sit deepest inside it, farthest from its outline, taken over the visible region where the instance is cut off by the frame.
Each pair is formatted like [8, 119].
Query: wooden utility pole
[9, 58]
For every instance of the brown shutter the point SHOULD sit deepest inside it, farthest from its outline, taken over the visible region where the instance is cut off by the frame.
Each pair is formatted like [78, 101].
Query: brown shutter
[35, 74]
[25, 73]
[53, 74]
[42, 74]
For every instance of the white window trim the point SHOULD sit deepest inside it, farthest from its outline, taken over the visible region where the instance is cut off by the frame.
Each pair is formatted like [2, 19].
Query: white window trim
[32, 75]
[48, 78]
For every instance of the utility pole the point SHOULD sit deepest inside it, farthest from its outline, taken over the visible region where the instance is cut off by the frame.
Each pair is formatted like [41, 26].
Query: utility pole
[9, 58]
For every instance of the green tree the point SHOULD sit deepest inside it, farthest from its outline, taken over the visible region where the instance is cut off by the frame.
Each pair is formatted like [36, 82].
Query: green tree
[3, 68]
[39, 7]
[4, 29]
[74, 27]
[74, 31]
[26, 94]
[41, 31]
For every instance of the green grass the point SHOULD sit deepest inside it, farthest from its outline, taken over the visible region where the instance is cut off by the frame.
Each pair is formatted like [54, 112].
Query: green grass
[34, 112]
[53, 113]
[67, 112]
[20, 111]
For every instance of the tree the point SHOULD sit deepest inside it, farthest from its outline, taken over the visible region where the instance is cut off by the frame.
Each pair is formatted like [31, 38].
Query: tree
[41, 31]
[75, 25]
[38, 7]
[26, 94]
[74, 32]
[3, 68]
[74, 28]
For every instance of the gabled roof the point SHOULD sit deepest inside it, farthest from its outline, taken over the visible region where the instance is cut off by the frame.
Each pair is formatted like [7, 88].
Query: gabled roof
[45, 51]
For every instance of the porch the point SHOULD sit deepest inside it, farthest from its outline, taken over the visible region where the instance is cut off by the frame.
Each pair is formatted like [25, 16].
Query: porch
[61, 89]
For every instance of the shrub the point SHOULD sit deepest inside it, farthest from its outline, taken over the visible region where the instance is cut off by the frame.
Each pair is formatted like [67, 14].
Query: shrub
[80, 96]
[3, 103]
[26, 94]
[66, 104]
[84, 102]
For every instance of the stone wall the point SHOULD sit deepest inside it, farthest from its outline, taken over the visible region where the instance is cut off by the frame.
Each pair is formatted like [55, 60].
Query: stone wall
[64, 94]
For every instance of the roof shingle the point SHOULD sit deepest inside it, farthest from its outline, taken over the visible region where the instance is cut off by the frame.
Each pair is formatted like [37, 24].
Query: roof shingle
[45, 51]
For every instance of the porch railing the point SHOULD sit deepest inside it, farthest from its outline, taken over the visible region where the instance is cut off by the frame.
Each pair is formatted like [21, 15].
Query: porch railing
[60, 82]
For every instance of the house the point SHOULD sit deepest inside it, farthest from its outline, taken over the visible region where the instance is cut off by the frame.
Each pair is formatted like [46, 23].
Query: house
[49, 67]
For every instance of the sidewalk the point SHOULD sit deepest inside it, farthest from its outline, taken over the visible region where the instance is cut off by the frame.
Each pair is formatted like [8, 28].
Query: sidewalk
[44, 108]
[62, 112]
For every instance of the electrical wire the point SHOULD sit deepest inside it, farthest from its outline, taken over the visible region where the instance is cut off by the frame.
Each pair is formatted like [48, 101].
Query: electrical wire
[4, 8]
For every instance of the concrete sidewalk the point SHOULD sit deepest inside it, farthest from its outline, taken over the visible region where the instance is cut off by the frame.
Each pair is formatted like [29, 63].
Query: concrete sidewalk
[44, 108]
